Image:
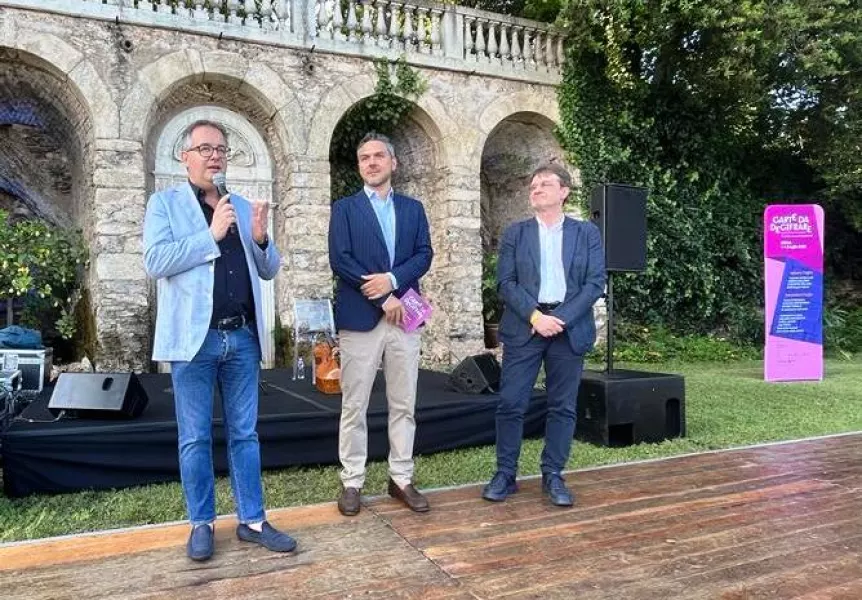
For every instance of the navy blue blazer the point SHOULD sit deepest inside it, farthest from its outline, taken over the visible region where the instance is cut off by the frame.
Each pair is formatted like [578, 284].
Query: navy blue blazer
[519, 277]
[357, 248]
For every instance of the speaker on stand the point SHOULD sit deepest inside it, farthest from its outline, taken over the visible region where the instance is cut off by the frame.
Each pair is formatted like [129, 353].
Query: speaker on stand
[619, 211]
[621, 407]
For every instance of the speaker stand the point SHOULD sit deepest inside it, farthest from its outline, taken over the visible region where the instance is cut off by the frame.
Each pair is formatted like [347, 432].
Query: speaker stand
[609, 305]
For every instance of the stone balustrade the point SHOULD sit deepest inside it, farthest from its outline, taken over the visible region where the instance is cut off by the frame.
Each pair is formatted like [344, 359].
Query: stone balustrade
[430, 34]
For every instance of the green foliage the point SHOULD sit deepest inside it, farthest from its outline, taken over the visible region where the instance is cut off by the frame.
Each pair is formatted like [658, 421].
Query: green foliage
[659, 345]
[539, 10]
[842, 330]
[704, 103]
[44, 264]
[381, 112]
[492, 306]
[283, 344]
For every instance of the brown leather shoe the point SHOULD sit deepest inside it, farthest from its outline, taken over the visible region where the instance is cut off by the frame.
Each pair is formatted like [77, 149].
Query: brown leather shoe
[410, 496]
[348, 502]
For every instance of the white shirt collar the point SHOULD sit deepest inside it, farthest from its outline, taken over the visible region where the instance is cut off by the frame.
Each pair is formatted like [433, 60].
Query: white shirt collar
[553, 226]
[373, 195]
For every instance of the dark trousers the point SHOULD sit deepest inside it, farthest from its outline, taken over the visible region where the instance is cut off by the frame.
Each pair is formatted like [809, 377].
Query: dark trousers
[519, 371]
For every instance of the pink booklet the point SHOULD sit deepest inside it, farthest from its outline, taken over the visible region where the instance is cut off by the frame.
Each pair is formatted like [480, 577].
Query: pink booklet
[416, 310]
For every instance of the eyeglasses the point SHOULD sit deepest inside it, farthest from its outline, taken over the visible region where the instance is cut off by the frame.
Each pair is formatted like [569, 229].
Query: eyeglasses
[206, 151]
[545, 185]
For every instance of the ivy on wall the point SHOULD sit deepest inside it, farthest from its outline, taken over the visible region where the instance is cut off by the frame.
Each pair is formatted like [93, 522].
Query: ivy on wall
[382, 112]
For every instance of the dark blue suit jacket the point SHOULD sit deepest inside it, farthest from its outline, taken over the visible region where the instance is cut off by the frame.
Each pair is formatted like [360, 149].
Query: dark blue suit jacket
[357, 248]
[519, 273]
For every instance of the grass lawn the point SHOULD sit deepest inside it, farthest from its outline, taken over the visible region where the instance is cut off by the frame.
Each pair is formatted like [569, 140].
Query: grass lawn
[727, 405]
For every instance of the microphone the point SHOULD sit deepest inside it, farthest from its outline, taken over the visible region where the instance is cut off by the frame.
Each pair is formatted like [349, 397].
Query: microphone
[220, 182]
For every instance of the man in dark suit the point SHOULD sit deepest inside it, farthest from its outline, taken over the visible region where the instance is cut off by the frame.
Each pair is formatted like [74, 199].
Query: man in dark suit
[379, 247]
[550, 272]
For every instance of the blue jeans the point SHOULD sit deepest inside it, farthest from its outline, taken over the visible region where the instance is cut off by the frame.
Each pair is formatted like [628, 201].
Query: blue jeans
[563, 377]
[232, 359]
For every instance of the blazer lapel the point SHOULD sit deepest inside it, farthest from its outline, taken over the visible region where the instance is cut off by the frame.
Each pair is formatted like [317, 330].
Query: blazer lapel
[532, 239]
[192, 208]
[367, 211]
[400, 219]
[570, 236]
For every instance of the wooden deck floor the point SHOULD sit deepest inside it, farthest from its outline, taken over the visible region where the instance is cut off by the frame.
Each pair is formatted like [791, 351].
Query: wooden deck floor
[779, 521]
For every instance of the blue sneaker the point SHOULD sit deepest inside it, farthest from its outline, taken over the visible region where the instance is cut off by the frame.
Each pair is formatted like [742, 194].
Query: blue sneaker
[500, 487]
[270, 537]
[201, 544]
[555, 489]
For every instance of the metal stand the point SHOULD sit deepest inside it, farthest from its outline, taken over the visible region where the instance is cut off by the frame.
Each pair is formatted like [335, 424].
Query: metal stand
[609, 357]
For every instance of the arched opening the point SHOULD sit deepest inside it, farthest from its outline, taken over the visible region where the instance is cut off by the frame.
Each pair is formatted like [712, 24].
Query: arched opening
[254, 169]
[420, 174]
[46, 138]
[513, 149]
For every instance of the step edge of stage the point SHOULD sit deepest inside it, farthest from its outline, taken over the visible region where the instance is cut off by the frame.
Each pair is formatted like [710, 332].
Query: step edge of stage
[280, 513]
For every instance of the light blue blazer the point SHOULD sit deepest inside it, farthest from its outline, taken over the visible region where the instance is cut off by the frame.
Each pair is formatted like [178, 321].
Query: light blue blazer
[180, 252]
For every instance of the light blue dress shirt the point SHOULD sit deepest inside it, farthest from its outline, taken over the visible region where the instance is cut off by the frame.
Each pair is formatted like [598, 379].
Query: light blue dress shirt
[384, 209]
[552, 287]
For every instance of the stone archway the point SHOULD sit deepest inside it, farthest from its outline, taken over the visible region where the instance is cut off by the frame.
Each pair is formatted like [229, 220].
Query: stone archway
[513, 149]
[250, 174]
[46, 135]
[46, 140]
[421, 173]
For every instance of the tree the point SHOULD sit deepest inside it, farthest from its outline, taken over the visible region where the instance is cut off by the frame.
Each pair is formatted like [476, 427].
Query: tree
[718, 107]
[43, 264]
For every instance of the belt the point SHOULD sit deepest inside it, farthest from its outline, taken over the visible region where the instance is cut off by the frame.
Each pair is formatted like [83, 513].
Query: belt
[546, 307]
[232, 323]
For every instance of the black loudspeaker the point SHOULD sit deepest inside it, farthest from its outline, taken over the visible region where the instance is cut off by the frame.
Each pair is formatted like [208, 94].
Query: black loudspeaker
[622, 407]
[98, 395]
[476, 374]
[619, 211]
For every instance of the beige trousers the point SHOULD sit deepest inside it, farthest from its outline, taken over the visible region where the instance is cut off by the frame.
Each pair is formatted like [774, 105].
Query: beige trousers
[361, 352]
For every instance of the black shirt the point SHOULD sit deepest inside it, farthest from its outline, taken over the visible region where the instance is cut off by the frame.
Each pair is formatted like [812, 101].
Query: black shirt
[232, 295]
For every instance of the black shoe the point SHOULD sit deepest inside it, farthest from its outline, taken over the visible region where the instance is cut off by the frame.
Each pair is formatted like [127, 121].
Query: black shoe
[501, 486]
[555, 489]
[201, 544]
[269, 537]
[348, 502]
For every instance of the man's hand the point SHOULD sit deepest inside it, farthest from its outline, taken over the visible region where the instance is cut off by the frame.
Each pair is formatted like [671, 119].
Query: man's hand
[259, 220]
[548, 325]
[376, 285]
[224, 215]
[394, 311]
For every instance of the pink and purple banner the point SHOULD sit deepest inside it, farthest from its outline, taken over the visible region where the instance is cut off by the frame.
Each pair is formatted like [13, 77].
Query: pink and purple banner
[793, 280]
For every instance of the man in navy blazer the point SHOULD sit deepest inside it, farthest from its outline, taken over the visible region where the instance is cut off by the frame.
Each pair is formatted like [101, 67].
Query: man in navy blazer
[379, 247]
[550, 272]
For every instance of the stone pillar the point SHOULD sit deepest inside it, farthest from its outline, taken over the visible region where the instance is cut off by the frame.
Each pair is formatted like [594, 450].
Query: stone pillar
[461, 259]
[118, 282]
[301, 230]
[452, 25]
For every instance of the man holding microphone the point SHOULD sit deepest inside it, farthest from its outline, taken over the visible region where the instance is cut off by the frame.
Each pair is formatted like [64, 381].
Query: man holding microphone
[208, 250]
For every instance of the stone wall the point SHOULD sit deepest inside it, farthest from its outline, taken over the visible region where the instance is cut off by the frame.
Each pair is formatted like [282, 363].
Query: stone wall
[518, 145]
[119, 96]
